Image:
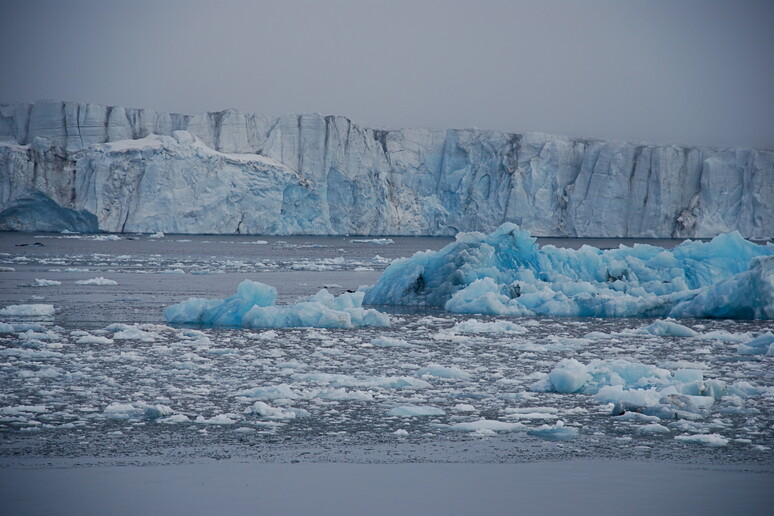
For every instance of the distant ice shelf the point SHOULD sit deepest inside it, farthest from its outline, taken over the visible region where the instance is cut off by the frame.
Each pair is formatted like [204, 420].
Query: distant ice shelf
[88, 167]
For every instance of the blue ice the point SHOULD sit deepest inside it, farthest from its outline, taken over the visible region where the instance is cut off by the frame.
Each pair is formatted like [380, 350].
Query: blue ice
[507, 273]
[253, 306]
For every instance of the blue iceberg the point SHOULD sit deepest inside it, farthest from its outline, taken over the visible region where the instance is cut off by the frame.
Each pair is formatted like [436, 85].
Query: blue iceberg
[253, 306]
[507, 273]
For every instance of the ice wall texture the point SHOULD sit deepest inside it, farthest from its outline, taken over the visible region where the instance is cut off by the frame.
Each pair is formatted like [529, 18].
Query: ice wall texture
[229, 172]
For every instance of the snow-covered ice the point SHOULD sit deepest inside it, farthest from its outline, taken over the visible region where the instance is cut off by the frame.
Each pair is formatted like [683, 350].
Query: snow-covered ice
[100, 281]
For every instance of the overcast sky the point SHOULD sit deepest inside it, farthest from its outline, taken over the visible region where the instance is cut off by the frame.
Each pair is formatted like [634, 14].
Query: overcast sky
[682, 71]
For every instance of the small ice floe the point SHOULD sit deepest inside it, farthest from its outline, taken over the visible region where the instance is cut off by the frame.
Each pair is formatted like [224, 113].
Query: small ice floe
[476, 326]
[93, 339]
[390, 342]
[35, 310]
[667, 328]
[440, 371]
[265, 410]
[556, 432]
[132, 332]
[253, 306]
[374, 241]
[272, 392]
[124, 411]
[100, 281]
[488, 427]
[762, 345]
[45, 283]
[635, 387]
[705, 439]
[157, 234]
[220, 419]
[416, 411]
[532, 413]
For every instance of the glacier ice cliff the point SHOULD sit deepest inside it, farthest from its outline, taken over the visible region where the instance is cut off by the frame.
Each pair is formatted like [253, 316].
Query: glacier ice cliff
[507, 273]
[139, 170]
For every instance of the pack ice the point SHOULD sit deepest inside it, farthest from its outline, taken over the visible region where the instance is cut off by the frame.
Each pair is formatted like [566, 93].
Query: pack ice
[253, 306]
[507, 273]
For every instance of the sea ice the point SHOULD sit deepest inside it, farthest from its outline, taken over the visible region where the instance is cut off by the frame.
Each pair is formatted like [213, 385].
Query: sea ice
[706, 439]
[415, 411]
[253, 306]
[265, 410]
[556, 432]
[141, 411]
[28, 310]
[632, 386]
[390, 342]
[475, 326]
[667, 328]
[45, 283]
[488, 426]
[762, 345]
[507, 273]
[100, 281]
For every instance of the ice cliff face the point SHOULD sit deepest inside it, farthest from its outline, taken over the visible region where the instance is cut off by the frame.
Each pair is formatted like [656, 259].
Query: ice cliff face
[228, 172]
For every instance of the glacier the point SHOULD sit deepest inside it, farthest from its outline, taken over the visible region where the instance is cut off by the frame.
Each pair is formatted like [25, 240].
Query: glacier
[86, 167]
[507, 273]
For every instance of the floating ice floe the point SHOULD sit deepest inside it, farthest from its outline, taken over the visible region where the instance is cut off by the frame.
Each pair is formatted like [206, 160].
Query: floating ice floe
[416, 411]
[390, 342]
[36, 310]
[375, 241]
[45, 283]
[474, 326]
[100, 281]
[762, 345]
[636, 387]
[253, 306]
[123, 411]
[507, 273]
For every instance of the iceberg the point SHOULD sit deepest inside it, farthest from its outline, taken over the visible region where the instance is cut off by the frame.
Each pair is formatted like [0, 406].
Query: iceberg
[761, 345]
[633, 387]
[253, 306]
[88, 167]
[507, 273]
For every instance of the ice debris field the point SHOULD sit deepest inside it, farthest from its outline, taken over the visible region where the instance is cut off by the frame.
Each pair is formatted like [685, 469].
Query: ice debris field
[246, 370]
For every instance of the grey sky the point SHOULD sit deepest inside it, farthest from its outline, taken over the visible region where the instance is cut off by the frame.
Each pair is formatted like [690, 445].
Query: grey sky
[683, 71]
